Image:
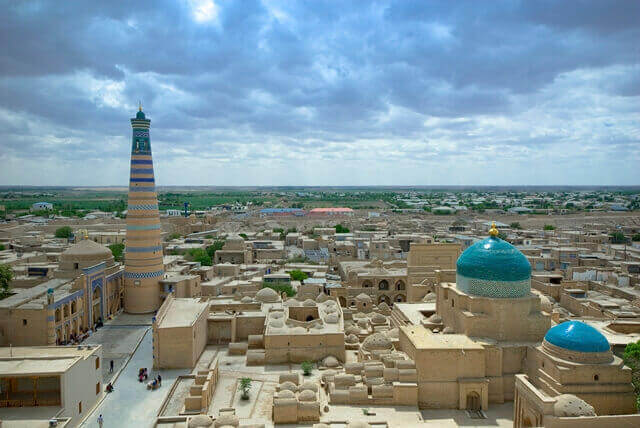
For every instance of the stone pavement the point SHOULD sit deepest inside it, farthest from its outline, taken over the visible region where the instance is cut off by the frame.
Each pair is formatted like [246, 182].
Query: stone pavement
[131, 404]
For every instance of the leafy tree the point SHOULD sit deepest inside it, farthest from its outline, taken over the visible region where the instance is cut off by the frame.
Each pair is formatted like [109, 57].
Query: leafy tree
[6, 275]
[211, 249]
[280, 288]
[2, 247]
[636, 237]
[515, 225]
[199, 255]
[618, 238]
[307, 368]
[549, 227]
[64, 232]
[245, 386]
[341, 229]
[298, 275]
[631, 359]
[117, 250]
[243, 235]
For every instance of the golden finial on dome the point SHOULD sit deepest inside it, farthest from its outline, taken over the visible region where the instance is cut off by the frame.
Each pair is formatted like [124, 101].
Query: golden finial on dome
[493, 231]
[139, 105]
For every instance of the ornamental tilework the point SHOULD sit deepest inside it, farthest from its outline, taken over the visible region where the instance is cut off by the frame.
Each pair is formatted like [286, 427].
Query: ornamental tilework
[495, 289]
[142, 189]
[142, 207]
[144, 249]
[143, 275]
[143, 227]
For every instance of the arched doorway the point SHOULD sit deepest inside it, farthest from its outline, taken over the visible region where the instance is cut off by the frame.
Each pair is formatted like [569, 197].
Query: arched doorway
[383, 285]
[366, 284]
[399, 298]
[473, 401]
[385, 299]
[400, 285]
[343, 301]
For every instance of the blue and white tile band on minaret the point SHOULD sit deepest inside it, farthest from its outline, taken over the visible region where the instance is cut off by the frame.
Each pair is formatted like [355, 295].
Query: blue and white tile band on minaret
[493, 268]
[144, 266]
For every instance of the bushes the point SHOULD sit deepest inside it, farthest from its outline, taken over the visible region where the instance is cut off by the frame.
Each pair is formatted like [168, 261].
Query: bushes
[6, 275]
[341, 229]
[211, 249]
[307, 368]
[199, 255]
[64, 232]
[631, 359]
[549, 227]
[280, 287]
[117, 250]
[245, 386]
[298, 275]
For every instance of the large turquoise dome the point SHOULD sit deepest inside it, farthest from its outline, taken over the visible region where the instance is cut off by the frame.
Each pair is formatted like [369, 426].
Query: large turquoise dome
[578, 337]
[493, 268]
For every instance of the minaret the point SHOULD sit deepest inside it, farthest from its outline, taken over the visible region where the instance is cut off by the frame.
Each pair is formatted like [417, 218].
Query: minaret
[143, 265]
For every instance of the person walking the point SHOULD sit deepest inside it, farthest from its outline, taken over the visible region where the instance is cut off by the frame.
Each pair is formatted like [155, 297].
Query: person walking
[100, 421]
[111, 366]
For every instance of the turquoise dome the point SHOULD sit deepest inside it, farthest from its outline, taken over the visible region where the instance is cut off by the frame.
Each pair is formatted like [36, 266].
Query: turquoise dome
[577, 336]
[493, 268]
[140, 115]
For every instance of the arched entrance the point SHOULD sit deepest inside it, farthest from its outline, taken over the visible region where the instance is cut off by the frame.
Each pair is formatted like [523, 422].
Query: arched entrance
[399, 298]
[366, 284]
[473, 401]
[383, 285]
[343, 301]
[385, 299]
[400, 285]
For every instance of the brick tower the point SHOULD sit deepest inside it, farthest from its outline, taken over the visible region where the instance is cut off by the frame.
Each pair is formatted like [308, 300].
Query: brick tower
[143, 266]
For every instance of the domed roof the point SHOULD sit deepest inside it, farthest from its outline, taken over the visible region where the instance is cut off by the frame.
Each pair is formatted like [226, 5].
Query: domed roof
[199, 421]
[377, 342]
[307, 395]
[87, 248]
[140, 115]
[568, 405]
[379, 319]
[312, 386]
[285, 394]
[289, 386]
[330, 361]
[493, 268]
[363, 298]
[351, 338]
[577, 336]
[267, 295]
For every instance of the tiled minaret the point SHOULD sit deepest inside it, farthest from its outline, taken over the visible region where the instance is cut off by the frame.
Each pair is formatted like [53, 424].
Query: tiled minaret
[143, 266]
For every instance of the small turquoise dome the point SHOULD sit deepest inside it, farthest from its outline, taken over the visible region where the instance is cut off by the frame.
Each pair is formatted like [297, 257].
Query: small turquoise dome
[140, 115]
[577, 336]
[493, 268]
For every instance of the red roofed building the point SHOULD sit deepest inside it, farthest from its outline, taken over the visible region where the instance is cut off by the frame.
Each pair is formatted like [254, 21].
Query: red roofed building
[331, 211]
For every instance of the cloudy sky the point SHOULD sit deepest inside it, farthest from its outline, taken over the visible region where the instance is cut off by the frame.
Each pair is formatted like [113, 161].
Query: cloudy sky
[322, 93]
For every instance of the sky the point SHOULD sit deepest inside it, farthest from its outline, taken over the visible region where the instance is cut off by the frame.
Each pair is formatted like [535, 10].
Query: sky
[322, 92]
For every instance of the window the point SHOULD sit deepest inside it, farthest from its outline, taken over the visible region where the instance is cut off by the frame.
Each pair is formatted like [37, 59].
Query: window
[596, 377]
[24, 322]
[97, 388]
[453, 303]
[79, 406]
[97, 363]
[76, 265]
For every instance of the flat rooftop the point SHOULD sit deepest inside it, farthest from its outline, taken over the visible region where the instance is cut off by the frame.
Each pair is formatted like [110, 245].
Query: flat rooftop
[182, 313]
[33, 360]
[423, 338]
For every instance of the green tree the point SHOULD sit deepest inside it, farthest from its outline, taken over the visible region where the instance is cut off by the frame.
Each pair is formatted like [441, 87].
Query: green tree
[6, 275]
[549, 227]
[173, 236]
[280, 287]
[243, 235]
[515, 225]
[117, 250]
[298, 275]
[245, 386]
[211, 249]
[617, 238]
[2, 247]
[307, 368]
[636, 237]
[199, 255]
[341, 229]
[631, 359]
[64, 232]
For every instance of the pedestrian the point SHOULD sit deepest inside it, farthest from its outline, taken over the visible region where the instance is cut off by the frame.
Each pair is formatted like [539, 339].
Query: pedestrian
[111, 366]
[159, 379]
[100, 421]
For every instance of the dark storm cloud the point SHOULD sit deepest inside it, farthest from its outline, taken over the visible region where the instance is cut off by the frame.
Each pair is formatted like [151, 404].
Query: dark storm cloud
[251, 79]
